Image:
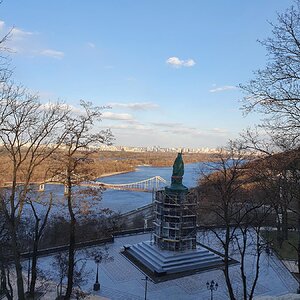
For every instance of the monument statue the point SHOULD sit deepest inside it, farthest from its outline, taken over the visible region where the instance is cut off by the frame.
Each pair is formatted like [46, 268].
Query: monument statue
[178, 171]
[175, 251]
[178, 166]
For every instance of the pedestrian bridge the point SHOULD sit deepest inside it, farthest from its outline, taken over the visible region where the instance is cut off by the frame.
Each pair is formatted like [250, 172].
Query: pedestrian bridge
[146, 185]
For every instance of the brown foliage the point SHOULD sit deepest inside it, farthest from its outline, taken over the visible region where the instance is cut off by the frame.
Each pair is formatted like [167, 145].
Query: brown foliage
[100, 163]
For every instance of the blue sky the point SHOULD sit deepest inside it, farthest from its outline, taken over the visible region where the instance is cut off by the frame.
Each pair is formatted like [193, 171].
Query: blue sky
[168, 69]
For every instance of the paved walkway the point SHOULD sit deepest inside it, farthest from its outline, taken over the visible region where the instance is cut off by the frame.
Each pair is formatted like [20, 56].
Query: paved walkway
[120, 280]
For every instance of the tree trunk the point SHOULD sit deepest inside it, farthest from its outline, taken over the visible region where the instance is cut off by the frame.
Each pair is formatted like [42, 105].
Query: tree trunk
[13, 228]
[226, 264]
[258, 254]
[33, 267]
[18, 266]
[71, 263]
[5, 280]
[298, 229]
[71, 259]
[227, 279]
[285, 223]
[243, 253]
[279, 235]
[37, 236]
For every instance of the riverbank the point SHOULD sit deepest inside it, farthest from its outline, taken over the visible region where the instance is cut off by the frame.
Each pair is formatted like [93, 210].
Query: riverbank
[137, 166]
[115, 173]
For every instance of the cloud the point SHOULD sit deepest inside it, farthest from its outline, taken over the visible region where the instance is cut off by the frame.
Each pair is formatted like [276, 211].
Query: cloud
[168, 134]
[178, 63]
[75, 110]
[19, 41]
[22, 42]
[116, 116]
[19, 34]
[166, 124]
[52, 53]
[131, 78]
[109, 67]
[186, 131]
[137, 126]
[219, 130]
[91, 45]
[135, 105]
[223, 88]
[61, 105]
[180, 129]
[2, 23]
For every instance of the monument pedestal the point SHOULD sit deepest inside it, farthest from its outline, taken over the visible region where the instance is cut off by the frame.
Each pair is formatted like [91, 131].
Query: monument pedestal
[162, 265]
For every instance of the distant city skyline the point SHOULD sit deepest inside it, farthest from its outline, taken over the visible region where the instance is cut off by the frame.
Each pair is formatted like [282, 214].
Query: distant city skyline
[157, 148]
[168, 70]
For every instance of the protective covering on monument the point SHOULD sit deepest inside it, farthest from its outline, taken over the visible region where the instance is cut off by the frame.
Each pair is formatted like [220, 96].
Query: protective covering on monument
[174, 251]
[175, 219]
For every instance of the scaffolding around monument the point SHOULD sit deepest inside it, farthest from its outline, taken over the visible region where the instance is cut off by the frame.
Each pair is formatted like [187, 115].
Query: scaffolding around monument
[174, 251]
[174, 226]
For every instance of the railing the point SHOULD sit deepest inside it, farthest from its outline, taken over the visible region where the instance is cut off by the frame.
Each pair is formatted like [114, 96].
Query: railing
[147, 185]
[171, 225]
[188, 225]
[153, 183]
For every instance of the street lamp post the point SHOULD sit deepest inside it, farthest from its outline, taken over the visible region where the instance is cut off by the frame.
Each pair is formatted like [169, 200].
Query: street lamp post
[28, 275]
[146, 286]
[98, 259]
[212, 286]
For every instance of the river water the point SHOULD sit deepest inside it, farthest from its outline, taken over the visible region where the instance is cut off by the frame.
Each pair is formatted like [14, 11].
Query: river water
[117, 200]
[123, 201]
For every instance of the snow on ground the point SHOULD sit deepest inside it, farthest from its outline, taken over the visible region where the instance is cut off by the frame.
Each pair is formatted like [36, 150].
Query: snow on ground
[285, 297]
[119, 279]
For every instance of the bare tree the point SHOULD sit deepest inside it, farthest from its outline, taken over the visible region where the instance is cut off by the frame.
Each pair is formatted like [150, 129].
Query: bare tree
[275, 90]
[5, 70]
[39, 227]
[29, 132]
[61, 265]
[5, 280]
[290, 193]
[72, 162]
[227, 185]
[279, 178]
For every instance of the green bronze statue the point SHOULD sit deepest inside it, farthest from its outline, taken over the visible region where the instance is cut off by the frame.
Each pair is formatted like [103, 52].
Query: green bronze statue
[178, 171]
[178, 166]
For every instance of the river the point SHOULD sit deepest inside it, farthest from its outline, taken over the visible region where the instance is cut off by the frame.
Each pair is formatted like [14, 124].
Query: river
[123, 201]
[116, 200]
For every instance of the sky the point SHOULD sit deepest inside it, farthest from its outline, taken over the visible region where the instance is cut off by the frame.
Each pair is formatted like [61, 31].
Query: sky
[168, 71]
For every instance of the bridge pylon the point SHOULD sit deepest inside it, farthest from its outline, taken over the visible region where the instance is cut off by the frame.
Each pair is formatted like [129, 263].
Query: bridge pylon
[41, 187]
[66, 190]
